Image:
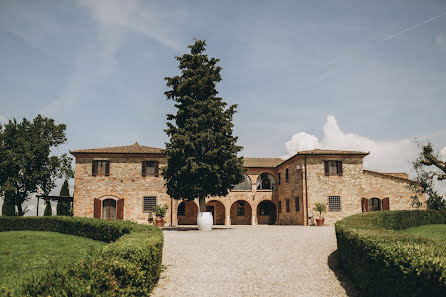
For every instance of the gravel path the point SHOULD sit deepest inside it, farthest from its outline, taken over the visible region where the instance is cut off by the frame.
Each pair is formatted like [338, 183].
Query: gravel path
[252, 261]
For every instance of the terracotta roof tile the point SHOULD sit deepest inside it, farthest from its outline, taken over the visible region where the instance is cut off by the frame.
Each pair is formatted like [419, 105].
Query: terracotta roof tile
[330, 152]
[128, 149]
[261, 162]
[403, 176]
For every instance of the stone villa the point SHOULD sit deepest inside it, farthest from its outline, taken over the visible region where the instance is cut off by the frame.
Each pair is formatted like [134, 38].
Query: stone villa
[125, 183]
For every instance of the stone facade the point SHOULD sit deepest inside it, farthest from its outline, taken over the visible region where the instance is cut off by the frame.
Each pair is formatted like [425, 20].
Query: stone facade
[295, 185]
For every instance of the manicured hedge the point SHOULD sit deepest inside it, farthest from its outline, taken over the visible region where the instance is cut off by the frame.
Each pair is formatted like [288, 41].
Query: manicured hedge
[129, 265]
[384, 262]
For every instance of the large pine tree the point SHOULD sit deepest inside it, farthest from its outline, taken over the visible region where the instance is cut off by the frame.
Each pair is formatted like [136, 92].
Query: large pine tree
[202, 152]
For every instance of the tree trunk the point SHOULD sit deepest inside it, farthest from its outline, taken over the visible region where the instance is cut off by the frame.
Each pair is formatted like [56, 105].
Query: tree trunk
[19, 210]
[202, 204]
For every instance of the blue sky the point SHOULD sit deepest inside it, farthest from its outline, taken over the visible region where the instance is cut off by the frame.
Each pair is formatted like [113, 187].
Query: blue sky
[374, 71]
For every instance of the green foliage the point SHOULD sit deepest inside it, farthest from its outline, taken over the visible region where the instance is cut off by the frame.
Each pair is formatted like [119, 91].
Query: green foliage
[202, 152]
[24, 254]
[63, 206]
[436, 232]
[385, 262]
[160, 210]
[8, 207]
[429, 168]
[320, 208]
[48, 209]
[129, 266]
[26, 165]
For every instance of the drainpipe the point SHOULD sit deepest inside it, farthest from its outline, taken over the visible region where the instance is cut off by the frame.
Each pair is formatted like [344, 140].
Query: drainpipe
[306, 186]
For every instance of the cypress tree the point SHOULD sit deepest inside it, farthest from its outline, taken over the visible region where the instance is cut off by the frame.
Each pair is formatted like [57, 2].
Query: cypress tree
[8, 207]
[48, 209]
[64, 207]
[202, 152]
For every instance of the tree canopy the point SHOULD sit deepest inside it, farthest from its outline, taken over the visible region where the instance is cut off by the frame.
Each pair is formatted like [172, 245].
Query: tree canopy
[202, 151]
[429, 168]
[26, 163]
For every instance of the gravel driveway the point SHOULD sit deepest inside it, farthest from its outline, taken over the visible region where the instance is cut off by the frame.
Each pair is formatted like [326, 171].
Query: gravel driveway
[251, 261]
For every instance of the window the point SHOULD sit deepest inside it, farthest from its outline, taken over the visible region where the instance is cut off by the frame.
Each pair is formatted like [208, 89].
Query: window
[100, 168]
[374, 204]
[149, 203]
[150, 168]
[245, 185]
[266, 181]
[334, 203]
[241, 208]
[286, 174]
[181, 209]
[264, 209]
[333, 168]
[288, 205]
[296, 206]
[109, 209]
[279, 205]
[279, 178]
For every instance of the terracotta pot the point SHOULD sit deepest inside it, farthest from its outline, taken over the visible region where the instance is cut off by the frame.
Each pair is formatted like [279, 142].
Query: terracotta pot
[159, 222]
[320, 222]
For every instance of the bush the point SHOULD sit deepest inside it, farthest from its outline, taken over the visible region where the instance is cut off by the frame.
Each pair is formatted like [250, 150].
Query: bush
[129, 266]
[48, 209]
[383, 262]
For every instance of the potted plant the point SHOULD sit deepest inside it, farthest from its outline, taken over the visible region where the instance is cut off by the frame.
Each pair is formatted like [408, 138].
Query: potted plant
[160, 213]
[320, 208]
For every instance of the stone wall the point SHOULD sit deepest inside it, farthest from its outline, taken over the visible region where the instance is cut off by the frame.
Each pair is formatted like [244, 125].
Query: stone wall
[290, 190]
[348, 186]
[125, 181]
[379, 185]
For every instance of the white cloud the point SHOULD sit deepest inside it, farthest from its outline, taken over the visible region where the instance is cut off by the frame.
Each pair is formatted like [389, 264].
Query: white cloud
[385, 156]
[114, 17]
[3, 119]
[442, 154]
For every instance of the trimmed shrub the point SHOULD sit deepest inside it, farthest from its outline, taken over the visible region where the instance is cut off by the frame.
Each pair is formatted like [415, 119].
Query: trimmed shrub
[383, 262]
[129, 266]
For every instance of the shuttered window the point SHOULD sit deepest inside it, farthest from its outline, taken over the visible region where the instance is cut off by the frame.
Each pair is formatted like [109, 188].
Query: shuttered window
[279, 178]
[279, 205]
[150, 168]
[334, 203]
[148, 203]
[286, 174]
[100, 168]
[333, 167]
[297, 204]
[288, 205]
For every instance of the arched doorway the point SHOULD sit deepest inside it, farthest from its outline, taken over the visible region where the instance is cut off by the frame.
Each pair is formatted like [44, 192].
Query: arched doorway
[109, 209]
[187, 213]
[241, 213]
[266, 213]
[218, 211]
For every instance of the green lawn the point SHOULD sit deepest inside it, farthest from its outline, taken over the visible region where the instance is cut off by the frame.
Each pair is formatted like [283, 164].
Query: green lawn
[27, 253]
[436, 232]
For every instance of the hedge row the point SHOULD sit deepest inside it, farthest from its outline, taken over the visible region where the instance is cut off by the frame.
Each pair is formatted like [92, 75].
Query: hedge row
[129, 265]
[384, 262]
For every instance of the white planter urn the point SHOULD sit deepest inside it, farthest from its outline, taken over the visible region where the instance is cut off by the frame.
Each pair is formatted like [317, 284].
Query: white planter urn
[205, 221]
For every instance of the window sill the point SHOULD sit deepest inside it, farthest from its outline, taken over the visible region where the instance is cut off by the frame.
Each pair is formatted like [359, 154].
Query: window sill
[241, 190]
